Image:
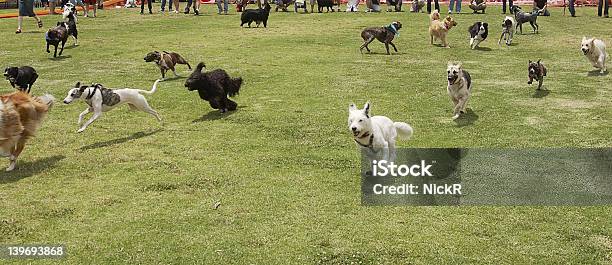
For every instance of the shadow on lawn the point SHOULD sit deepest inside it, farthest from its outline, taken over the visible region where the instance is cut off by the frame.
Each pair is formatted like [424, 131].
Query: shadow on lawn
[215, 115]
[60, 57]
[540, 93]
[134, 136]
[31, 168]
[483, 49]
[467, 118]
[596, 73]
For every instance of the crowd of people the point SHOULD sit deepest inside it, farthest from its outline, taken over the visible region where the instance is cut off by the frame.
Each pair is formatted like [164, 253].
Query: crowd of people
[26, 7]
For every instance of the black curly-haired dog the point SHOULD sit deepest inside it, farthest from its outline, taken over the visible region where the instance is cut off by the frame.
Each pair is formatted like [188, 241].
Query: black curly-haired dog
[21, 78]
[258, 15]
[215, 87]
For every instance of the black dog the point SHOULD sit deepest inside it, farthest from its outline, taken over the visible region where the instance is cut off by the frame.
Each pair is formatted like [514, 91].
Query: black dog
[258, 15]
[24, 77]
[537, 71]
[214, 86]
[329, 4]
[523, 17]
[56, 35]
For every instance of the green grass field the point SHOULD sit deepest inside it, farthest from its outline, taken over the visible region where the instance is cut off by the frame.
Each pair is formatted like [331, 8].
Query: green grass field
[284, 166]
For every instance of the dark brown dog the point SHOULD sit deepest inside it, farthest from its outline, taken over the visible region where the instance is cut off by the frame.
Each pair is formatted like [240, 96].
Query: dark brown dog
[166, 61]
[537, 71]
[382, 34]
[56, 35]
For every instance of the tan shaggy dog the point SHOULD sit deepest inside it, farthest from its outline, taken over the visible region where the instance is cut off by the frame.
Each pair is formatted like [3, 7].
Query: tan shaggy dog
[20, 117]
[438, 29]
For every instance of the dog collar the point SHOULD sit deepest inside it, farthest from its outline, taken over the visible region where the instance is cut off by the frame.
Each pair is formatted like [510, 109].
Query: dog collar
[91, 93]
[393, 29]
[369, 145]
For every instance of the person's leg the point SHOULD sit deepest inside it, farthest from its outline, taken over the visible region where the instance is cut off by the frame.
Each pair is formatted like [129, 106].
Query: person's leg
[437, 5]
[95, 6]
[163, 6]
[606, 8]
[599, 7]
[458, 7]
[142, 3]
[150, 5]
[177, 6]
[218, 6]
[19, 24]
[225, 6]
[188, 6]
[503, 6]
[572, 10]
[196, 7]
[510, 5]
[450, 6]
[429, 6]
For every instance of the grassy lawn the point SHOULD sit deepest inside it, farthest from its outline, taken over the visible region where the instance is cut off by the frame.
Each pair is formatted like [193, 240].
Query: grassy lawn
[284, 166]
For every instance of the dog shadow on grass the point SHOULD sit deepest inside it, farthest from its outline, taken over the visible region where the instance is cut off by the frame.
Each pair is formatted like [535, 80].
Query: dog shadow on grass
[121, 140]
[540, 93]
[216, 114]
[60, 58]
[466, 119]
[383, 53]
[30, 168]
[172, 78]
[483, 49]
[597, 73]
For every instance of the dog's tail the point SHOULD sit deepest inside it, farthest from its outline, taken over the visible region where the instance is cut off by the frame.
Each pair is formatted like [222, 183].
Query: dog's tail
[403, 130]
[233, 87]
[152, 90]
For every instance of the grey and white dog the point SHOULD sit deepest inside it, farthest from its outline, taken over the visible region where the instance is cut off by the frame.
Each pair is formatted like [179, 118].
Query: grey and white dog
[101, 99]
[524, 17]
[459, 88]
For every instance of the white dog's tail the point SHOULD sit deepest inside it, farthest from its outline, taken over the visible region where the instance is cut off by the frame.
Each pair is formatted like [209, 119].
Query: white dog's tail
[152, 90]
[403, 130]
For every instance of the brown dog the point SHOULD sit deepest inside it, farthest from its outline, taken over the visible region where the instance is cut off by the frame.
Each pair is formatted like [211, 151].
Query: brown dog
[382, 34]
[166, 61]
[439, 28]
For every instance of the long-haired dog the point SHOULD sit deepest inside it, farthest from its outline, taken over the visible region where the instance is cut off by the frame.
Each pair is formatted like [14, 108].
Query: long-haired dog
[329, 4]
[376, 134]
[259, 15]
[215, 87]
[101, 99]
[478, 33]
[438, 29]
[383, 34]
[57, 35]
[459, 87]
[595, 51]
[507, 30]
[20, 116]
[537, 71]
[21, 78]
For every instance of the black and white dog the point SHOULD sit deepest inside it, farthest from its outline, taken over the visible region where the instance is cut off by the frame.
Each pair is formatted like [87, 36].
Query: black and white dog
[71, 20]
[21, 78]
[507, 30]
[478, 33]
[100, 99]
[523, 17]
[69, 10]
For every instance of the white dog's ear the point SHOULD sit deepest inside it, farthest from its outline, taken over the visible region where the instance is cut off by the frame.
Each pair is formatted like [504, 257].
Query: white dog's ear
[584, 38]
[366, 108]
[458, 64]
[450, 64]
[352, 107]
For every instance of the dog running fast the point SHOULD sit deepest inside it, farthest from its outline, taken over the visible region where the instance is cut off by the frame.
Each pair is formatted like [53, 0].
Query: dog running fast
[522, 17]
[101, 99]
[376, 134]
[537, 71]
[438, 29]
[215, 87]
[57, 35]
[478, 33]
[383, 34]
[20, 116]
[459, 87]
[166, 61]
[507, 30]
[595, 51]
[71, 21]
[69, 10]
[21, 78]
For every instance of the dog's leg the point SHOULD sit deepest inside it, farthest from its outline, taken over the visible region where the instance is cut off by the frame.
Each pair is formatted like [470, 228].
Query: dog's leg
[386, 151]
[393, 45]
[163, 73]
[459, 107]
[15, 153]
[48, 51]
[444, 42]
[472, 43]
[62, 50]
[392, 150]
[143, 106]
[76, 41]
[387, 47]
[432, 38]
[55, 52]
[365, 44]
[82, 115]
[540, 83]
[601, 63]
[96, 115]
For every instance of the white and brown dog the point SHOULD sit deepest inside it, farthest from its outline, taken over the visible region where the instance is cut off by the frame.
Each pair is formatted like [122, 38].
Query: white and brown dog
[376, 134]
[595, 51]
[459, 88]
[101, 99]
[20, 117]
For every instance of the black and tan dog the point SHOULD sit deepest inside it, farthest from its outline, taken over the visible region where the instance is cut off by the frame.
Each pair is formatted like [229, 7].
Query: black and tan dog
[537, 71]
[382, 34]
[21, 78]
[57, 35]
[166, 61]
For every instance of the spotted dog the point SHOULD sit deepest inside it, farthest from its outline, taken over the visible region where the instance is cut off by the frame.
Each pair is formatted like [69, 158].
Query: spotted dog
[101, 99]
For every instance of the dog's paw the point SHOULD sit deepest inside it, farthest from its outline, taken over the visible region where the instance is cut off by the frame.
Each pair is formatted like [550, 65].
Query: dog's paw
[81, 130]
[10, 167]
[455, 117]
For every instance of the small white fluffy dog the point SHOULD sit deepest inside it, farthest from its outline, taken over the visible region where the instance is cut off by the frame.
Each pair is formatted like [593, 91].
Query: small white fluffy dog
[595, 51]
[101, 99]
[377, 133]
[459, 87]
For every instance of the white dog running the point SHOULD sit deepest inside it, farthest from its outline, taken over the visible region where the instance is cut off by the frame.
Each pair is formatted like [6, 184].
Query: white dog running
[595, 51]
[377, 133]
[101, 99]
